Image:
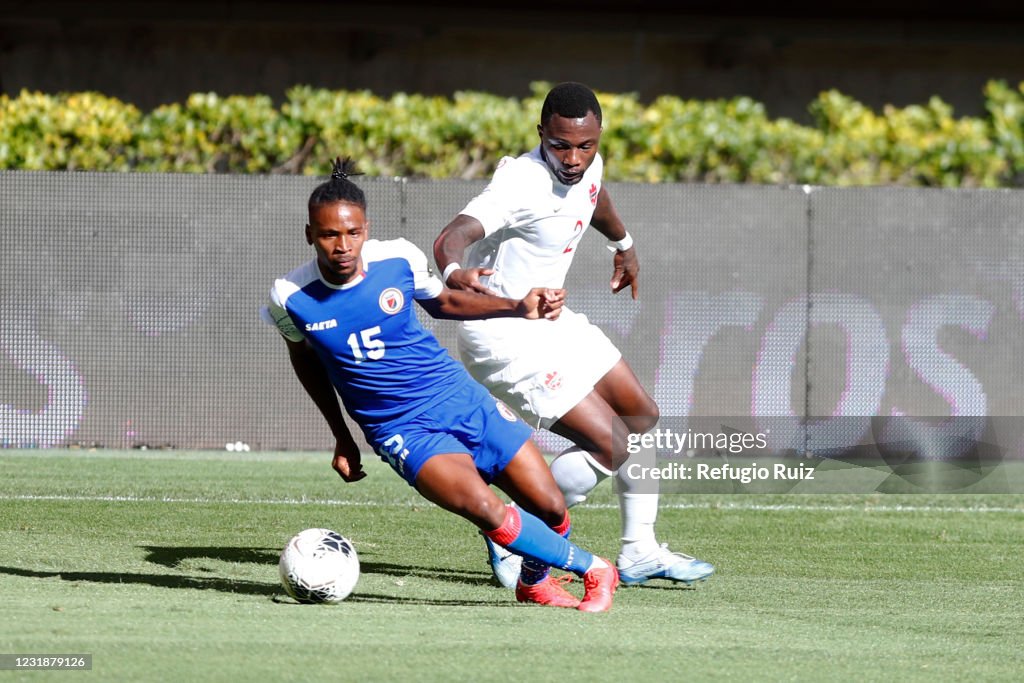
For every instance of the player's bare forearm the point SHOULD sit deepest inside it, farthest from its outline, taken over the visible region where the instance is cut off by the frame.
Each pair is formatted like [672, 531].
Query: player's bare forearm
[625, 265]
[449, 250]
[313, 376]
[454, 304]
[606, 219]
[451, 244]
[315, 380]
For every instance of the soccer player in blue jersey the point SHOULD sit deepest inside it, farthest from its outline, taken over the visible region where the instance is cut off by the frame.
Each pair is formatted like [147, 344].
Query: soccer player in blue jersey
[350, 329]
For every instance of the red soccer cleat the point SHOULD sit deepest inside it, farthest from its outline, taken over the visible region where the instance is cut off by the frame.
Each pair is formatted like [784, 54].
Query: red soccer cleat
[548, 592]
[600, 584]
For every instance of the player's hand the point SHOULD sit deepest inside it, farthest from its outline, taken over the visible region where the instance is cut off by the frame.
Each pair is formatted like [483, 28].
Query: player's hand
[542, 302]
[348, 463]
[627, 267]
[469, 279]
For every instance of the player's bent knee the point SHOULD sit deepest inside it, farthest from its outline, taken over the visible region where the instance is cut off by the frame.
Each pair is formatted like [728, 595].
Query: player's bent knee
[644, 422]
[487, 513]
[552, 508]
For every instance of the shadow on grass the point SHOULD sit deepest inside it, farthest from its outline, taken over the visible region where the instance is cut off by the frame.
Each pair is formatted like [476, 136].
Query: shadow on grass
[162, 580]
[271, 590]
[382, 599]
[172, 556]
[436, 573]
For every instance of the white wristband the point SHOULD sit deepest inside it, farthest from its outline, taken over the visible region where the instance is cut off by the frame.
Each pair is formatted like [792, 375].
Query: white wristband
[448, 270]
[622, 245]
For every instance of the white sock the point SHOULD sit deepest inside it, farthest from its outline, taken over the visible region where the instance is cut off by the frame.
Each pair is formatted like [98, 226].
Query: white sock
[639, 510]
[597, 563]
[577, 473]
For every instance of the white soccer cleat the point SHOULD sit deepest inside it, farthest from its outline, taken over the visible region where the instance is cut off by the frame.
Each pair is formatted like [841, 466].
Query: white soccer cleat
[505, 564]
[662, 563]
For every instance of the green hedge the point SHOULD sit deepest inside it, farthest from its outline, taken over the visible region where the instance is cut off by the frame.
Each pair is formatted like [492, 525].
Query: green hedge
[667, 140]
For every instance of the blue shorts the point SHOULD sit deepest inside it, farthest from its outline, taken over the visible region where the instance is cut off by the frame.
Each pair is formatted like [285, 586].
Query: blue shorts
[469, 420]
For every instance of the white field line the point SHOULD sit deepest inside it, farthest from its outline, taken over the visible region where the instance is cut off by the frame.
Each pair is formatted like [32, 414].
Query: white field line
[756, 507]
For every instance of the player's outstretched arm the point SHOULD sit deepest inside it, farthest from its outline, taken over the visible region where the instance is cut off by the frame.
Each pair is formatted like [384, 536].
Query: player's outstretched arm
[314, 379]
[626, 266]
[449, 248]
[454, 304]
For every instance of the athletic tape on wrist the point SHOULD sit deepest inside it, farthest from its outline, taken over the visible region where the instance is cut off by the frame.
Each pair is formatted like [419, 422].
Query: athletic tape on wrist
[621, 245]
[448, 270]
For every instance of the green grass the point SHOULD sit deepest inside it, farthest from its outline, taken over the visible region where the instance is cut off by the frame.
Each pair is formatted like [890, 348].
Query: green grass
[162, 565]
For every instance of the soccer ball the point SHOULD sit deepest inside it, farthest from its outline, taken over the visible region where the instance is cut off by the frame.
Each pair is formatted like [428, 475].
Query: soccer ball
[319, 565]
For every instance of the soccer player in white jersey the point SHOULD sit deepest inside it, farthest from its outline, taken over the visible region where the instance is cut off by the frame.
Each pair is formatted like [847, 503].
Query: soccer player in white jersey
[351, 330]
[567, 377]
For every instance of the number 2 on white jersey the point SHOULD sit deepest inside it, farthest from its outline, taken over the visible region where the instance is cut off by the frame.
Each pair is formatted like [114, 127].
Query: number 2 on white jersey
[374, 348]
[577, 233]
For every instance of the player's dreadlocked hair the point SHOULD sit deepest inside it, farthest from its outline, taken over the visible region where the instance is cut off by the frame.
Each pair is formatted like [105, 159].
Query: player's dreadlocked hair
[339, 188]
[571, 100]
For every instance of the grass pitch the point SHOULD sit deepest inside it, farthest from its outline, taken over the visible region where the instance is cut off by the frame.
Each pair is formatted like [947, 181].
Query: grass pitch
[163, 566]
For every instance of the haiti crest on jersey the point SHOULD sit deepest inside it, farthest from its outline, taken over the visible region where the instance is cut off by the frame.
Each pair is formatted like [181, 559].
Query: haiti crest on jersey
[593, 194]
[391, 300]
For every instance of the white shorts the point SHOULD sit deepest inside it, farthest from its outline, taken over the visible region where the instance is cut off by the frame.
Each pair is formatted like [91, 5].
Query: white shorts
[541, 368]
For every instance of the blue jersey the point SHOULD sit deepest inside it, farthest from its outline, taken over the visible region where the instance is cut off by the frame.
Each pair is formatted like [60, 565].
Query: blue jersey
[384, 364]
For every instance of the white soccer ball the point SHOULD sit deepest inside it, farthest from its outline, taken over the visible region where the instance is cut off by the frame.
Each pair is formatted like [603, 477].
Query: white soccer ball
[319, 565]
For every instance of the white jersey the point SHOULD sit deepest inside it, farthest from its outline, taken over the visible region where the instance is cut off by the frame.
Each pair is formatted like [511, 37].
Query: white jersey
[532, 224]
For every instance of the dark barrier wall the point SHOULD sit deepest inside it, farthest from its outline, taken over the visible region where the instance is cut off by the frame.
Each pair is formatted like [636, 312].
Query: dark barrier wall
[129, 303]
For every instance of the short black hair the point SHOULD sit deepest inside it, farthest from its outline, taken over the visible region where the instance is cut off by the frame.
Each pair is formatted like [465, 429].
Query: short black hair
[339, 188]
[571, 100]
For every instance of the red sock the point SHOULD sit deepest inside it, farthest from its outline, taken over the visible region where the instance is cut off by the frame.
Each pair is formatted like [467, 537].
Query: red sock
[562, 529]
[509, 529]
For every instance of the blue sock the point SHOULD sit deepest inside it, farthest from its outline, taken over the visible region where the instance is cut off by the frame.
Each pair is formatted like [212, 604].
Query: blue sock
[526, 535]
[532, 572]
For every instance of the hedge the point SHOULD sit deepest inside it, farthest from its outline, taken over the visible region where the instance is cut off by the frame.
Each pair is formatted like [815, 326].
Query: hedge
[668, 140]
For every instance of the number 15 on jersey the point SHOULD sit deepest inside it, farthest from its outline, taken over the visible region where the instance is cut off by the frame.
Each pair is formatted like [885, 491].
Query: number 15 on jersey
[365, 345]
